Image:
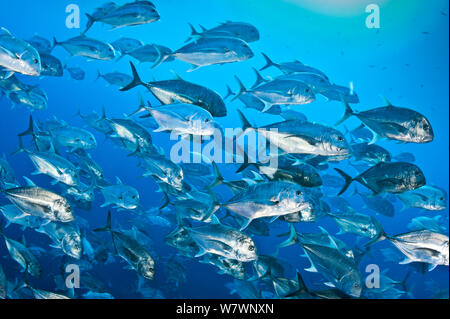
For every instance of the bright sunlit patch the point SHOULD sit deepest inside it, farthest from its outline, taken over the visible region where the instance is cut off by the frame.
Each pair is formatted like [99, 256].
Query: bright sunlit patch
[337, 7]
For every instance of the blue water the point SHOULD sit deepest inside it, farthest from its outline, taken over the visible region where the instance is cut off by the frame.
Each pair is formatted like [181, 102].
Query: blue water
[405, 60]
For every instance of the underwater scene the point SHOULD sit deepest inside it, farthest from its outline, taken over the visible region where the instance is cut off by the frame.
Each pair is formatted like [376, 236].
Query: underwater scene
[224, 149]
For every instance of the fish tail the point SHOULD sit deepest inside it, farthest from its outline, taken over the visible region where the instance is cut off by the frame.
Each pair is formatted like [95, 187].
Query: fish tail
[136, 79]
[194, 33]
[99, 75]
[245, 123]
[242, 89]
[382, 236]
[348, 112]
[259, 78]
[246, 163]
[292, 239]
[218, 178]
[348, 180]
[141, 108]
[55, 43]
[404, 282]
[29, 130]
[302, 289]
[107, 227]
[166, 201]
[78, 113]
[91, 21]
[161, 57]
[269, 62]
[229, 93]
[20, 148]
[103, 113]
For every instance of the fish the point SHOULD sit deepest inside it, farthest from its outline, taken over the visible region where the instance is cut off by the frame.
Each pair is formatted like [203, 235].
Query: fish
[340, 270]
[53, 165]
[151, 53]
[65, 237]
[98, 122]
[75, 72]
[292, 67]
[120, 195]
[323, 238]
[391, 177]
[270, 199]
[180, 239]
[73, 138]
[395, 123]
[182, 91]
[129, 249]
[13, 215]
[131, 135]
[371, 153]
[164, 170]
[358, 224]
[422, 246]
[23, 256]
[361, 134]
[115, 78]
[241, 30]
[251, 101]
[183, 119]
[216, 238]
[289, 114]
[40, 202]
[427, 197]
[279, 92]
[226, 266]
[426, 223]
[380, 204]
[7, 175]
[87, 47]
[336, 92]
[316, 82]
[32, 98]
[289, 169]
[316, 209]
[88, 166]
[130, 14]
[125, 45]
[405, 157]
[50, 65]
[43, 294]
[41, 44]
[300, 137]
[210, 51]
[17, 55]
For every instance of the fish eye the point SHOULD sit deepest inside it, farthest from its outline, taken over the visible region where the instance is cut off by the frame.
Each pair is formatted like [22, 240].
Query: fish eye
[442, 198]
[426, 126]
[340, 138]
[251, 248]
[298, 193]
[35, 60]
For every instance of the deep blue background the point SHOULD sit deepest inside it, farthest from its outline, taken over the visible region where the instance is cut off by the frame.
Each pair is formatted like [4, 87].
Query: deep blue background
[406, 60]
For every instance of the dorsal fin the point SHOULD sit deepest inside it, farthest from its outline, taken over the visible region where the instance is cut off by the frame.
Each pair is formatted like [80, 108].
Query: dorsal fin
[29, 182]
